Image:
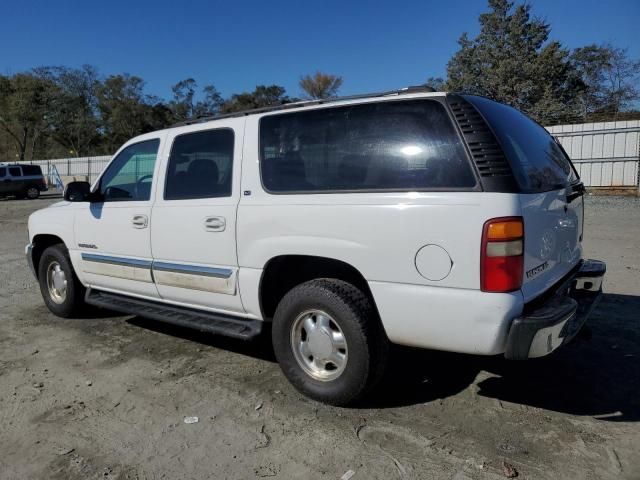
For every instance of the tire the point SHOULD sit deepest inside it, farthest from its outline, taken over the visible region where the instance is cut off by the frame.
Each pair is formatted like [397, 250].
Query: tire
[32, 193]
[69, 300]
[361, 362]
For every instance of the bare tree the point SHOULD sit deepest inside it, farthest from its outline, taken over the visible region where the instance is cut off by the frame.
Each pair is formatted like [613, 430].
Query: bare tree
[320, 85]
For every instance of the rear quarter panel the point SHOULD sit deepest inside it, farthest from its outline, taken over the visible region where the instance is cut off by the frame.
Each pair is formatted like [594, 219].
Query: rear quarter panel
[377, 233]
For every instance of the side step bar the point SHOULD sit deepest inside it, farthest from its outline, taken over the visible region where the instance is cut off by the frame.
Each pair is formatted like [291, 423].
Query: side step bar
[236, 327]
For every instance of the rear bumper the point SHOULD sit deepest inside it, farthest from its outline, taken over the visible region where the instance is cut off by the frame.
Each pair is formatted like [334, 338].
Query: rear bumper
[543, 327]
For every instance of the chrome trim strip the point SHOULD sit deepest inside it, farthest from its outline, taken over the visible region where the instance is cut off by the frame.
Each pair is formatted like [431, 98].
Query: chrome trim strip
[192, 269]
[126, 262]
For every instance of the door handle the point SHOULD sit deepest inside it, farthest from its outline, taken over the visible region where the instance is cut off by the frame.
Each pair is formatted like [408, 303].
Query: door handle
[215, 224]
[140, 221]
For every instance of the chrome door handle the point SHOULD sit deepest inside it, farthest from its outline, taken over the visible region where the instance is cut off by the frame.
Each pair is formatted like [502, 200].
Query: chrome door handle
[140, 221]
[215, 224]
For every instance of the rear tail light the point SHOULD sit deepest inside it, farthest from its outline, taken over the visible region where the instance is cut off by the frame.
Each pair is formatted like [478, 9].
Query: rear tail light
[501, 256]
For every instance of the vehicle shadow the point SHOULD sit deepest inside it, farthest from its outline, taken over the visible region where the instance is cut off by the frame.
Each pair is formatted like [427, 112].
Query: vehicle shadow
[595, 375]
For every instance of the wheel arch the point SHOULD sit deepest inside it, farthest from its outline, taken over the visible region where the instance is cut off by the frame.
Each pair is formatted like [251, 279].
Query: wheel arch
[40, 243]
[283, 272]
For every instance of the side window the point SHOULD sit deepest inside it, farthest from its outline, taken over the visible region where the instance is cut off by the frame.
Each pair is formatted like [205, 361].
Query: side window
[395, 145]
[15, 171]
[3, 171]
[200, 165]
[31, 170]
[129, 176]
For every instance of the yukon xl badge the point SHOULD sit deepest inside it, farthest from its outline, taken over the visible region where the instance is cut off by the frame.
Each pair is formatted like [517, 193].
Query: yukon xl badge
[87, 245]
[536, 270]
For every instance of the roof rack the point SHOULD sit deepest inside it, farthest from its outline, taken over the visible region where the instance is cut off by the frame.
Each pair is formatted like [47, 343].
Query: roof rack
[304, 103]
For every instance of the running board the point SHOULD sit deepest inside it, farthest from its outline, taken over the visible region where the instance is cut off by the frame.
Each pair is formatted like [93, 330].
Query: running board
[236, 327]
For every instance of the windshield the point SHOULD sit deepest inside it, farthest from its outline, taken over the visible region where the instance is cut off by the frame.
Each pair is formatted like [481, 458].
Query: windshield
[538, 162]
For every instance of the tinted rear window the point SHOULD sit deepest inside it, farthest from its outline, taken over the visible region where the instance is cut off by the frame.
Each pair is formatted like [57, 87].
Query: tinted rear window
[537, 161]
[31, 170]
[404, 145]
[3, 171]
[200, 165]
[15, 171]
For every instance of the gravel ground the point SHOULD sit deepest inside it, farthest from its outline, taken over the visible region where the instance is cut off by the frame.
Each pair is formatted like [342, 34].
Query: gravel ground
[106, 397]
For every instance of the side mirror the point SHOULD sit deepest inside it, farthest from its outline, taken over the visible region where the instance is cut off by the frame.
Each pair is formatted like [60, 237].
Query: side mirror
[77, 192]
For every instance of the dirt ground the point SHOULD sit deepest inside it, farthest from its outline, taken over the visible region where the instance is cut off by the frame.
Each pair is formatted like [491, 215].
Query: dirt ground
[106, 397]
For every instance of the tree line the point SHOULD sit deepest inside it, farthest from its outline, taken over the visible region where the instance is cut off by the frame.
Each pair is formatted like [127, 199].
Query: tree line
[59, 111]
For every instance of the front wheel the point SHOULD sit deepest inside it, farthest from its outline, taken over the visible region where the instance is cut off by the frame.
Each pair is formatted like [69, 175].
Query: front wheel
[61, 290]
[329, 341]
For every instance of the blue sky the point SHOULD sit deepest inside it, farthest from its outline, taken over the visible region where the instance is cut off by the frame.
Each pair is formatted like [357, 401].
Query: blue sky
[238, 44]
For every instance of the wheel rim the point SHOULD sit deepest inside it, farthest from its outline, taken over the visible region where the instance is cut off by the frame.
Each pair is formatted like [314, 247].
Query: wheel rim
[319, 345]
[56, 282]
[32, 192]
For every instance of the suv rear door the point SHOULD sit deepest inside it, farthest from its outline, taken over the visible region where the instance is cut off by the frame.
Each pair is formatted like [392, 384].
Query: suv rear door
[14, 183]
[4, 181]
[551, 195]
[193, 223]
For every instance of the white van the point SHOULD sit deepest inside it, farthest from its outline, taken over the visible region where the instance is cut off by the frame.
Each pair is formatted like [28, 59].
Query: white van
[428, 219]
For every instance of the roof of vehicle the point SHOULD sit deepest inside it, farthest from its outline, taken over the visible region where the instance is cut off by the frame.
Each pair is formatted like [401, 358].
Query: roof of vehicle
[16, 164]
[420, 91]
[308, 103]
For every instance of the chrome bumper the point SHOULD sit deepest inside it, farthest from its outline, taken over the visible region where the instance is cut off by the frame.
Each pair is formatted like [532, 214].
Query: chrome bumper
[543, 327]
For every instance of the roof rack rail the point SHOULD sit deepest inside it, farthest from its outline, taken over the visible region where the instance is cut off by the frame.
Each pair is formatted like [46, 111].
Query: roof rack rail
[303, 103]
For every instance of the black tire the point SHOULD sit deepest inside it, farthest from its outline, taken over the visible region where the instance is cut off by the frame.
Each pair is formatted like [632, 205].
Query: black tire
[32, 192]
[73, 301]
[355, 315]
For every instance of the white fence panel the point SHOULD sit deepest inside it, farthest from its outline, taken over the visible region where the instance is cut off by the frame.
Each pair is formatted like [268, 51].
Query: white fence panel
[606, 154]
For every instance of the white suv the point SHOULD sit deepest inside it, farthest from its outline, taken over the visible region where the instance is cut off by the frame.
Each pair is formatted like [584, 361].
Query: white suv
[434, 220]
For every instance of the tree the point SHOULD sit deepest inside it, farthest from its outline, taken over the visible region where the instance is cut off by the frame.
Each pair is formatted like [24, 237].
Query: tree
[126, 111]
[24, 104]
[183, 103]
[320, 85]
[262, 96]
[610, 79]
[439, 84]
[72, 118]
[512, 61]
[184, 106]
[212, 102]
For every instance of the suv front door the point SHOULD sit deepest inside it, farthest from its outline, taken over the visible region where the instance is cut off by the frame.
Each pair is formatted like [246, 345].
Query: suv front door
[193, 222]
[112, 232]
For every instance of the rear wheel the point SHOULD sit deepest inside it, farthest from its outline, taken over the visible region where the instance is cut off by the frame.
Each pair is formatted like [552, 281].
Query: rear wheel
[32, 193]
[329, 341]
[61, 290]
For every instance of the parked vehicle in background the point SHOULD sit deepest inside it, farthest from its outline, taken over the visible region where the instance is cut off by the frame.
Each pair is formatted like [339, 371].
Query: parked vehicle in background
[21, 181]
[433, 220]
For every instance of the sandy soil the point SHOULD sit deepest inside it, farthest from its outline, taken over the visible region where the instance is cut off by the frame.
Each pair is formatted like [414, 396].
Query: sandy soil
[106, 397]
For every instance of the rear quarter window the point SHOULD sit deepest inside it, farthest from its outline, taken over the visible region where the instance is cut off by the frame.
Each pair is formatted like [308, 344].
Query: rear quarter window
[402, 145]
[31, 170]
[538, 163]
